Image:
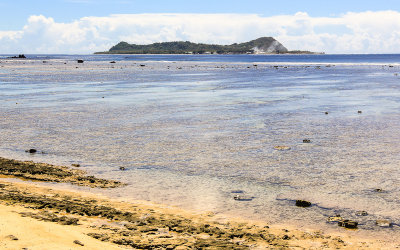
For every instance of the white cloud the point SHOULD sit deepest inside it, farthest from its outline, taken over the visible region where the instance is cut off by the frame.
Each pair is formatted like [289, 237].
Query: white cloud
[364, 32]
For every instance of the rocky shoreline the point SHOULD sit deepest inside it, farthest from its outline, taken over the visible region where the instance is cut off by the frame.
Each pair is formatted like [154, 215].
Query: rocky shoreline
[29, 170]
[138, 225]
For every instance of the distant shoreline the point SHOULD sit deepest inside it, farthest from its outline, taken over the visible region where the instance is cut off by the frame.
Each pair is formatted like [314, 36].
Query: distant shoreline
[262, 45]
[213, 54]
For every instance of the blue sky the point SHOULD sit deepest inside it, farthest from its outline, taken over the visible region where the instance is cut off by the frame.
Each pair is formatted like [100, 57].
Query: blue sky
[15, 12]
[20, 19]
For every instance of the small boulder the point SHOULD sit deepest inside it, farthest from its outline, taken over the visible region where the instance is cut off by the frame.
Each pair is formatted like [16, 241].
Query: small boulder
[78, 243]
[359, 111]
[326, 113]
[80, 61]
[306, 141]
[31, 151]
[76, 165]
[112, 62]
[11, 237]
[242, 198]
[361, 213]
[122, 168]
[348, 224]
[383, 223]
[303, 203]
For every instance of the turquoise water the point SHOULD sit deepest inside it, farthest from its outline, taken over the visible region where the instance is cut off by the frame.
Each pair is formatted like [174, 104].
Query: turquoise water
[189, 133]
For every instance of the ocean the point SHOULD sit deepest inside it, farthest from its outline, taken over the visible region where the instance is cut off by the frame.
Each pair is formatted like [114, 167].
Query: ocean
[283, 58]
[196, 130]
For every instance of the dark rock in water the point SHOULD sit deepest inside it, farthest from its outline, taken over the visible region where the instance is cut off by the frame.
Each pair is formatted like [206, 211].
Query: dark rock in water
[383, 223]
[121, 168]
[306, 141]
[76, 165]
[326, 113]
[379, 190]
[80, 61]
[21, 56]
[112, 62]
[348, 224]
[142, 65]
[78, 242]
[361, 213]
[242, 198]
[302, 203]
[359, 111]
[31, 151]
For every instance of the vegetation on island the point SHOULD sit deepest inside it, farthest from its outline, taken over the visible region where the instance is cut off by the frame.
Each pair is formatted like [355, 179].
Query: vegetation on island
[263, 45]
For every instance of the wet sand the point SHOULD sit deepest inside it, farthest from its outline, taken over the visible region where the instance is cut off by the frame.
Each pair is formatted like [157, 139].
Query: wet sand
[38, 217]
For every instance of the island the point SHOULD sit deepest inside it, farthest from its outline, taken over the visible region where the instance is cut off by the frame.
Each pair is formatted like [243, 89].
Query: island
[262, 45]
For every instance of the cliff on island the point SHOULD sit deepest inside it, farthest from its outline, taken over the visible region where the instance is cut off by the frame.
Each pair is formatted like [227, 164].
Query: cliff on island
[263, 45]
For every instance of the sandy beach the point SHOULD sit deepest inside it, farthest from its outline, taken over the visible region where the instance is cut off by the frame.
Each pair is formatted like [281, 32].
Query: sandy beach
[38, 217]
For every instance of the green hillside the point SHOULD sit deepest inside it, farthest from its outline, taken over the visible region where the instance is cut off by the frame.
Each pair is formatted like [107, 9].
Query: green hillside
[261, 45]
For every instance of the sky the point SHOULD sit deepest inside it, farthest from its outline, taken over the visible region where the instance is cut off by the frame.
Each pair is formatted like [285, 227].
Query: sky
[87, 26]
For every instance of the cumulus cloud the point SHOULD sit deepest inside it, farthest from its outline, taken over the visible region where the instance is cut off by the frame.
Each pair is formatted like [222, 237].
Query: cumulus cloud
[364, 32]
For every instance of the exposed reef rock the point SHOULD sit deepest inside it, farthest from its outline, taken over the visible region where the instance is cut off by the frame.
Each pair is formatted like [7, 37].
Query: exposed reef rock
[46, 172]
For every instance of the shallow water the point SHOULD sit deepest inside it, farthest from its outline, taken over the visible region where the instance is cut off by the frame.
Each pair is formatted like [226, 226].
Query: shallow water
[190, 133]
